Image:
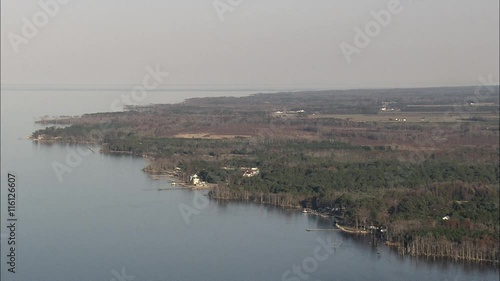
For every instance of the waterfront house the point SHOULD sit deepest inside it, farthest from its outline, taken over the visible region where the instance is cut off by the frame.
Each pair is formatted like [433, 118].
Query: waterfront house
[194, 179]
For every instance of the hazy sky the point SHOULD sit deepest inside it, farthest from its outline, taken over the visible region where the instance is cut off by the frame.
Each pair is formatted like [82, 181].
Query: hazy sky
[276, 42]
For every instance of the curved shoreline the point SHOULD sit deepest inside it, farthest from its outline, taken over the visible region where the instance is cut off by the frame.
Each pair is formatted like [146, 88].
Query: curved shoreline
[402, 250]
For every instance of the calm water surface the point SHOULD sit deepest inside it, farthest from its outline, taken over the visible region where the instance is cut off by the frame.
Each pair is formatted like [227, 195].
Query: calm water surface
[106, 218]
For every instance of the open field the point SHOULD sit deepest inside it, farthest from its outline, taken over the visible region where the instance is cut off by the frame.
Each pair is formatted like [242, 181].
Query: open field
[209, 136]
[411, 117]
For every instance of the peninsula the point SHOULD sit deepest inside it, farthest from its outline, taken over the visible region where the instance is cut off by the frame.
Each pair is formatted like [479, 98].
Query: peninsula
[419, 165]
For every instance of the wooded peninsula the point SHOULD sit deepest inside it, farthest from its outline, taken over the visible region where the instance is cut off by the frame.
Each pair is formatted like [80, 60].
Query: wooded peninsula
[421, 165]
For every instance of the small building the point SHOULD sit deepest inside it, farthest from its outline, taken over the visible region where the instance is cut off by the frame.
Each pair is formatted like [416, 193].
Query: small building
[177, 171]
[41, 137]
[289, 113]
[194, 179]
[279, 113]
[445, 218]
[251, 172]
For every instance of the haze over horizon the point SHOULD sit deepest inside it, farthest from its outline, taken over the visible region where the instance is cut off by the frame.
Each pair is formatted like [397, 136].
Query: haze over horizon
[288, 43]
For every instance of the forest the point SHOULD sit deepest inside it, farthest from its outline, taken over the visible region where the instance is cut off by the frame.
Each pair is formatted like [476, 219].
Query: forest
[421, 163]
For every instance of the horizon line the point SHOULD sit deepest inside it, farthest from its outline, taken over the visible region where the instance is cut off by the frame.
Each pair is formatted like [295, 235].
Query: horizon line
[215, 87]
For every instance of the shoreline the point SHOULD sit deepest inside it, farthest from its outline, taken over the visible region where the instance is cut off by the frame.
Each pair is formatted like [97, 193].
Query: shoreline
[351, 230]
[175, 180]
[170, 176]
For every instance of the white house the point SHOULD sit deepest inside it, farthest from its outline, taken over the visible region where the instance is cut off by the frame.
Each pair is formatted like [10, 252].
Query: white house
[194, 179]
[251, 172]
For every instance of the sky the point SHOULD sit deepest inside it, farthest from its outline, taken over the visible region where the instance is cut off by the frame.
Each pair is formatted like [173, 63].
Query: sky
[290, 43]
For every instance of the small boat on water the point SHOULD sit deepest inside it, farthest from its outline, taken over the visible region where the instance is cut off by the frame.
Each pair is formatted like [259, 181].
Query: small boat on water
[305, 211]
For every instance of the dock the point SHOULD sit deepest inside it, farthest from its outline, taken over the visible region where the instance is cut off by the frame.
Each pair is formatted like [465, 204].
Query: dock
[163, 189]
[321, 229]
[351, 230]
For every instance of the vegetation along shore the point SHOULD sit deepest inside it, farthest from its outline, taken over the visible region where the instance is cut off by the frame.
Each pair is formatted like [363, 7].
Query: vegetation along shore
[420, 164]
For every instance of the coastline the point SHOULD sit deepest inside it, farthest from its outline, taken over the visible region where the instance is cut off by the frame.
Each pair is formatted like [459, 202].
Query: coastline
[351, 230]
[174, 180]
[169, 175]
[281, 200]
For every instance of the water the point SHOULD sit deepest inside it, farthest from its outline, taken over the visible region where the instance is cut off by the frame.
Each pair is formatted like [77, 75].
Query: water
[107, 218]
